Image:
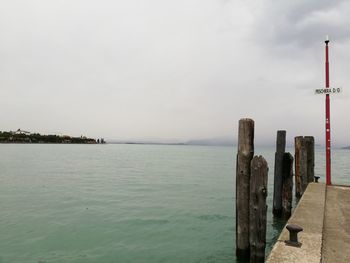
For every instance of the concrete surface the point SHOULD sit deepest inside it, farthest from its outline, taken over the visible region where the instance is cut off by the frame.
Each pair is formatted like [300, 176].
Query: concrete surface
[336, 231]
[324, 214]
[309, 214]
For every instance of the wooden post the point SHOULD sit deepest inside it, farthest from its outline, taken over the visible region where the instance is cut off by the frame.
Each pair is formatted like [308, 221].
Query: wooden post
[258, 209]
[300, 166]
[298, 141]
[303, 168]
[277, 184]
[297, 144]
[310, 152]
[287, 185]
[244, 157]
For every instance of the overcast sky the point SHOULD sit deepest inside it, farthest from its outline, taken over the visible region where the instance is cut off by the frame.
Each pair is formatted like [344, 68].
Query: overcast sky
[173, 70]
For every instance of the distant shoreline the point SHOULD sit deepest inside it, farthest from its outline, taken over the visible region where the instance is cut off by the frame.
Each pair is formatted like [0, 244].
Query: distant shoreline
[148, 143]
[46, 143]
[25, 137]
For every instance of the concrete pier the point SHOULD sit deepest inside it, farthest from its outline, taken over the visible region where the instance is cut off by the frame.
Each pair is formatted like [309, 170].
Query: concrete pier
[336, 231]
[324, 214]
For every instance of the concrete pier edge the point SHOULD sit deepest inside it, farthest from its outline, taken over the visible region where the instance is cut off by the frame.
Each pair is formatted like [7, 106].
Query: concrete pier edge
[309, 214]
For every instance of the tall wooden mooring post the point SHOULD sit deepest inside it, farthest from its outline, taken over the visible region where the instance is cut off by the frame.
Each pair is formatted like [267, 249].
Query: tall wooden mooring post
[278, 178]
[251, 193]
[244, 157]
[283, 178]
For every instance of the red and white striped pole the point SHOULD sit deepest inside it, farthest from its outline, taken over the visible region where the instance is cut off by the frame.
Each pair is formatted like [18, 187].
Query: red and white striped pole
[328, 122]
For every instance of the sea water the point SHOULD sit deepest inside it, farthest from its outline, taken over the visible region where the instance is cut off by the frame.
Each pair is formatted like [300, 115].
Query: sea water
[127, 203]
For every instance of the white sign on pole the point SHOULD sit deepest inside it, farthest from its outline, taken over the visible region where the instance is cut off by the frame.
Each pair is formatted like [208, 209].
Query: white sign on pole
[328, 91]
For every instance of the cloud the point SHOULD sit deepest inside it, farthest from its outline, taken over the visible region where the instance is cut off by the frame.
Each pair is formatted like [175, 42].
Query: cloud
[168, 69]
[303, 23]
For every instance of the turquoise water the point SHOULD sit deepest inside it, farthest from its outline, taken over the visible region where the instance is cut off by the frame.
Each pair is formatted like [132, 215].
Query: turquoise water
[125, 203]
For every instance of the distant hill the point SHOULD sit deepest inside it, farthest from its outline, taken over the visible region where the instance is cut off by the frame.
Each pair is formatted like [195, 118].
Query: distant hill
[146, 142]
[220, 141]
[346, 148]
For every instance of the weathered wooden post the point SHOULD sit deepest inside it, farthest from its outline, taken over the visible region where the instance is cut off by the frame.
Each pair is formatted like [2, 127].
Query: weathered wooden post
[244, 157]
[287, 185]
[300, 166]
[258, 209]
[310, 152]
[303, 168]
[297, 145]
[304, 163]
[277, 184]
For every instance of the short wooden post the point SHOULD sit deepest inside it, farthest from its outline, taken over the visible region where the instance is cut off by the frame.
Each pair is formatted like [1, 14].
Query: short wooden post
[277, 184]
[300, 166]
[297, 145]
[244, 157]
[258, 209]
[287, 185]
[303, 168]
[310, 152]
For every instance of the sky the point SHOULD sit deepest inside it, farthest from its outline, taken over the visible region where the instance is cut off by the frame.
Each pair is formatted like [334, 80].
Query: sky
[174, 71]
